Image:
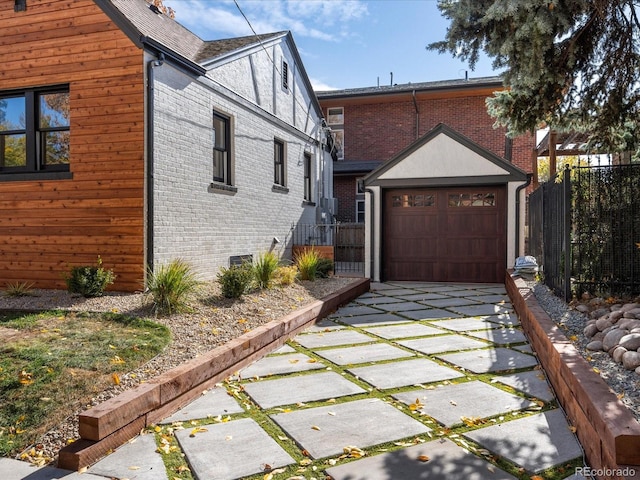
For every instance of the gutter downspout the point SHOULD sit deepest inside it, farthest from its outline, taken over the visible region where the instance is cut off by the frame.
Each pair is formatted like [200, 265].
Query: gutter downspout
[372, 253]
[518, 190]
[415, 105]
[151, 64]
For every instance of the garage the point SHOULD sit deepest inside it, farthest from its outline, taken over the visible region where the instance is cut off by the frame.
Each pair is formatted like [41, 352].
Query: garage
[444, 210]
[445, 234]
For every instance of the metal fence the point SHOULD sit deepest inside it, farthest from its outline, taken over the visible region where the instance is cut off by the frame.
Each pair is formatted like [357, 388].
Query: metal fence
[585, 230]
[346, 240]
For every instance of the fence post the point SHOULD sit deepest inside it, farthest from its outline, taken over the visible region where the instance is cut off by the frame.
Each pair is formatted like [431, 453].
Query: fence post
[566, 184]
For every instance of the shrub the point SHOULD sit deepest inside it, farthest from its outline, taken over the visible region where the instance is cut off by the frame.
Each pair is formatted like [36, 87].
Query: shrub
[235, 280]
[171, 285]
[324, 268]
[90, 280]
[286, 275]
[264, 269]
[19, 289]
[307, 263]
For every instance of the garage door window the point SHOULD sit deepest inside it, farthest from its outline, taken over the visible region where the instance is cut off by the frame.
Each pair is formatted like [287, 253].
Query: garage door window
[472, 199]
[406, 201]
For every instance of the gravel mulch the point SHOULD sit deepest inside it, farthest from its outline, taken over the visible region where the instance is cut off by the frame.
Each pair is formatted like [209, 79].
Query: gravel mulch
[624, 383]
[212, 321]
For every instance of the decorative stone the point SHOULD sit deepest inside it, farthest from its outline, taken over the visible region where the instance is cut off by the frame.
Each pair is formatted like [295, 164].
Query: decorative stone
[594, 346]
[630, 306]
[598, 337]
[629, 324]
[630, 341]
[617, 353]
[603, 323]
[631, 360]
[615, 316]
[607, 330]
[612, 339]
[582, 308]
[590, 330]
[599, 313]
[635, 330]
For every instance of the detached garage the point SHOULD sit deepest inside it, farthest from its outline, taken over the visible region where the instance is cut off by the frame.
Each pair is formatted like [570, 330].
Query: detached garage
[443, 210]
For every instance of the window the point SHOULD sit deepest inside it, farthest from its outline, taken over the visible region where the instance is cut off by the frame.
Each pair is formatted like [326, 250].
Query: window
[34, 131]
[338, 143]
[360, 200]
[472, 199]
[307, 176]
[408, 201]
[335, 116]
[279, 167]
[221, 149]
[285, 75]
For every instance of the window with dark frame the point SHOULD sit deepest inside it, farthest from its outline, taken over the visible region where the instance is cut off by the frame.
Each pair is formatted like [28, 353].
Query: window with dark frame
[221, 148]
[307, 176]
[34, 131]
[278, 163]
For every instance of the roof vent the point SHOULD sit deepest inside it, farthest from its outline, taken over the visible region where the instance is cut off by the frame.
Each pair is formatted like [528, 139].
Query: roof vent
[155, 9]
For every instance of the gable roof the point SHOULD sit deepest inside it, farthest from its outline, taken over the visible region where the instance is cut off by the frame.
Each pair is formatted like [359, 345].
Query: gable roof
[444, 156]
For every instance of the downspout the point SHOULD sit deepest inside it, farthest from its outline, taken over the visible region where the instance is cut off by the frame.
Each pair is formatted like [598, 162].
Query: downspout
[372, 253]
[151, 64]
[415, 105]
[518, 190]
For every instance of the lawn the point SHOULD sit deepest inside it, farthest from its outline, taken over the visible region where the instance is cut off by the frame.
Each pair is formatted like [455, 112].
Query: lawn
[52, 363]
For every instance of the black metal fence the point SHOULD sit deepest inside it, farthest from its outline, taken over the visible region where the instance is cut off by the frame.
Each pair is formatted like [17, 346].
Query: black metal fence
[345, 239]
[585, 230]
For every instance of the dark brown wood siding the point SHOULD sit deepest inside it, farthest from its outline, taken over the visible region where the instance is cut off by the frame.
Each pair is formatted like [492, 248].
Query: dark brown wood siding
[48, 226]
[445, 234]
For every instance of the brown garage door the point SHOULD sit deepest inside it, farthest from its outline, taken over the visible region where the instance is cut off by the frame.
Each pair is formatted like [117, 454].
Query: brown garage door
[445, 234]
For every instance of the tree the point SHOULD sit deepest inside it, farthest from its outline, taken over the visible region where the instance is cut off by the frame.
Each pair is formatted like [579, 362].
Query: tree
[568, 64]
[168, 11]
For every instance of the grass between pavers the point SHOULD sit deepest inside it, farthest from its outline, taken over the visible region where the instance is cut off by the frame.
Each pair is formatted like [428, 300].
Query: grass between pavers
[307, 468]
[54, 361]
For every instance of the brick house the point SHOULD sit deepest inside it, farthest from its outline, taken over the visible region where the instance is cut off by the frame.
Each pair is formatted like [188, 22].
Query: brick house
[382, 131]
[124, 135]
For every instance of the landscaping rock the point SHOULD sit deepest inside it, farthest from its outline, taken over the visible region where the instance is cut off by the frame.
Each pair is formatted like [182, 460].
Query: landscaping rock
[603, 323]
[600, 312]
[629, 324]
[590, 330]
[617, 353]
[631, 360]
[612, 339]
[595, 346]
[630, 306]
[615, 316]
[598, 337]
[582, 308]
[630, 341]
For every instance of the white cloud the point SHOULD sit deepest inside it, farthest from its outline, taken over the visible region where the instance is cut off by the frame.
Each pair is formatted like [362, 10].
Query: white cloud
[320, 86]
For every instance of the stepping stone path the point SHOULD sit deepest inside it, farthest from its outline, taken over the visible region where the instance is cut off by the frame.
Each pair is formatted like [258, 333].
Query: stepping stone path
[410, 380]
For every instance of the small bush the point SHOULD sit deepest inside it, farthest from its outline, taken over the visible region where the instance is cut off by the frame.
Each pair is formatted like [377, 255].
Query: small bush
[307, 263]
[286, 275]
[264, 269]
[19, 289]
[91, 280]
[324, 268]
[171, 285]
[235, 280]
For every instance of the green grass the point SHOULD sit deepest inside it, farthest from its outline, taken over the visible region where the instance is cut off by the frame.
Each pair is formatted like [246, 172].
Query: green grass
[171, 286]
[56, 362]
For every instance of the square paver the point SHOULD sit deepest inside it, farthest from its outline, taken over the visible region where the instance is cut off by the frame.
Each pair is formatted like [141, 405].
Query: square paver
[283, 349]
[447, 461]
[332, 339]
[500, 336]
[324, 325]
[401, 307]
[378, 319]
[532, 383]
[450, 302]
[210, 404]
[475, 399]
[231, 450]
[524, 348]
[361, 423]
[404, 373]
[138, 458]
[442, 343]
[354, 309]
[490, 360]
[504, 319]
[405, 330]
[429, 314]
[482, 309]
[396, 291]
[301, 388]
[19, 470]
[500, 299]
[378, 300]
[464, 324]
[363, 354]
[535, 443]
[279, 364]
[422, 296]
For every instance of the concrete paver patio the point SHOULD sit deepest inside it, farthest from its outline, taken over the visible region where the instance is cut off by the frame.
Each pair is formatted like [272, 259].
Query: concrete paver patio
[434, 392]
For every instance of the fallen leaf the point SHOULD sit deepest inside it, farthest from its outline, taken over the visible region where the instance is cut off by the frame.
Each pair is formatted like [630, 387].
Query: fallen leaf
[197, 430]
[25, 378]
[133, 467]
[417, 405]
[315, 427]
[305, 461]
[424, 458]
[294, 360]
[116, 378]
[573, 429]
[452, 402]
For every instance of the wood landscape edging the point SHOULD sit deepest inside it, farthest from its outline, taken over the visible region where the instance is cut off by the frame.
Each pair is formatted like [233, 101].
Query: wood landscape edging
[119, 419]
[607, 430]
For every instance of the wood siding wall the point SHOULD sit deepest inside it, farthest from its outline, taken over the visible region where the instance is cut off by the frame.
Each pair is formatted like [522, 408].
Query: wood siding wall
[48, 226]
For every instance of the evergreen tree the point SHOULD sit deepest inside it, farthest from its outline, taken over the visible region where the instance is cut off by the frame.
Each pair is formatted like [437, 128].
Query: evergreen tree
[569, 64]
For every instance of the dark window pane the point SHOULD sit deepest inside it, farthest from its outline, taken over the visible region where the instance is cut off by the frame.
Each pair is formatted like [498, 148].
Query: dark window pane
[219, 163]
[219, 132]
[56, 148]
[54, 110]
[13, 151]
[12, 113]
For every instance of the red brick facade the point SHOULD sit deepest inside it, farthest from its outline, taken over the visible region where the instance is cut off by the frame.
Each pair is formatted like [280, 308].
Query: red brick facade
[379, 126]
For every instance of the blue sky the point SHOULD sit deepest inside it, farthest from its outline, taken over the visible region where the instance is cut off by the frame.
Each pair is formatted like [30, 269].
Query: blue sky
[343, 43]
